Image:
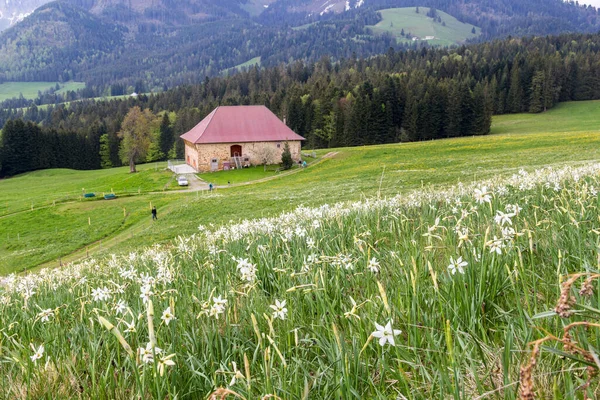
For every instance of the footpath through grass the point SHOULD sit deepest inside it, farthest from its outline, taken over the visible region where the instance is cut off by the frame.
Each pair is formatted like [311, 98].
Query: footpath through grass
[353, 174]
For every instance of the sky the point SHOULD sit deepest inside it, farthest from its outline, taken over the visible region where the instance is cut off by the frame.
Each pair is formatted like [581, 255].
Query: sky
[595, 3]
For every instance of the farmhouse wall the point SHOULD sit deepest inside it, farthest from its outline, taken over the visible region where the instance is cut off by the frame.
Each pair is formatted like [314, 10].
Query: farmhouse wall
[200, 155]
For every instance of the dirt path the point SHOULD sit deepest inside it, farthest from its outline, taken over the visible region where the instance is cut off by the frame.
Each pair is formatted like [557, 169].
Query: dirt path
[195, 185]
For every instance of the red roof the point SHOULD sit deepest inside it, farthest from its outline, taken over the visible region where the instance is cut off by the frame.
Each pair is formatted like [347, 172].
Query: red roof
[238, 124]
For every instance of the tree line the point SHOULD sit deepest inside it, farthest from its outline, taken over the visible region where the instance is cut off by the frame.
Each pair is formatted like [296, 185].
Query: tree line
[399, 96]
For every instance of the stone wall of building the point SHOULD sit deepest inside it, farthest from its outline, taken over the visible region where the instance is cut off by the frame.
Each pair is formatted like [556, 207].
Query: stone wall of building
[200, 156]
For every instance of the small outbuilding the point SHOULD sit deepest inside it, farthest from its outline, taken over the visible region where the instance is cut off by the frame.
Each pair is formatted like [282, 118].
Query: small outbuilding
[237, 137]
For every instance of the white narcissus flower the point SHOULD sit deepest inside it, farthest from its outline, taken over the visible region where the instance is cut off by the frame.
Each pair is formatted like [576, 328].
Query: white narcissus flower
[373, 265]
[457, 265]
[386, 334]
[100, 294]
[165, 362]
[482, 195]
[147, 354]
[502, 218]
[168, 315]
[120, 307]
[146, 292]
[496, 246]
[37, 353]
[279, 310]
[46, 314]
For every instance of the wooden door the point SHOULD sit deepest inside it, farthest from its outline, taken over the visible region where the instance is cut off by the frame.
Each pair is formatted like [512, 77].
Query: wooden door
[236, 150]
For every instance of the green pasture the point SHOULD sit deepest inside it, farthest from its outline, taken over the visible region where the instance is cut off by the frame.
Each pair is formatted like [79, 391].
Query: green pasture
[250, 63]
[396, 19]
[568, 134]
[45, 188]
[9, 90]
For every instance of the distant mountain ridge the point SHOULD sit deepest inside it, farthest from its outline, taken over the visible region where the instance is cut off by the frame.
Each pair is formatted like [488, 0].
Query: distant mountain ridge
[156, 43]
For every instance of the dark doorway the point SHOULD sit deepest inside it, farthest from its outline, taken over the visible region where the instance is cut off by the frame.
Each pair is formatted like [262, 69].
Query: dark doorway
[236, 150]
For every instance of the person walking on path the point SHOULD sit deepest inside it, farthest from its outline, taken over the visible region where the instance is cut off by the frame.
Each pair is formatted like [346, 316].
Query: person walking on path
[154, 213]
[210, 187]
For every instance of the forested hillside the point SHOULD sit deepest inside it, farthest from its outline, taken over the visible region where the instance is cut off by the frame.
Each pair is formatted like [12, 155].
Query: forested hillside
[399, 96]
[160, 44]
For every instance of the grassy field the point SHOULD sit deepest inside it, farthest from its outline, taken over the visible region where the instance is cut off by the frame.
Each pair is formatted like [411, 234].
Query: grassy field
[250, 63]
[396, 19]
[354, 173]
[9, 90]
[44, 188]
[435, 294]
[42, 208]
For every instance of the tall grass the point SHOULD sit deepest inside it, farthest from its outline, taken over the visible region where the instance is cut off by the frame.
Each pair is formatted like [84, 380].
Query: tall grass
[194, 318]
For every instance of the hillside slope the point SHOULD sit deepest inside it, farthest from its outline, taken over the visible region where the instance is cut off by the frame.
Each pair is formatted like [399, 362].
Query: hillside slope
[162, 42]
[58, 35]
[436, 27]
[567, 134]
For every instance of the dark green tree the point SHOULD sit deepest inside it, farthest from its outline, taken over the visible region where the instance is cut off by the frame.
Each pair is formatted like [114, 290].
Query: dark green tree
[286, 157]
[165, 134]
[105, 161]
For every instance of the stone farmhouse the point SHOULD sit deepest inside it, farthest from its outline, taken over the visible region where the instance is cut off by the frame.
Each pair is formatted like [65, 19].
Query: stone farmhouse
[237, 137]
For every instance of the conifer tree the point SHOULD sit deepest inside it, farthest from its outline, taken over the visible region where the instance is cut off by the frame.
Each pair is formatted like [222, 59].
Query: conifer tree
[286, 157]
[166, 134]
[105, 161]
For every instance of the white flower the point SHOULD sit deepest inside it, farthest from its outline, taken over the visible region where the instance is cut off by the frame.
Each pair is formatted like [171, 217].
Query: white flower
[502, 218]
[310, 242]
[482, 195]
[120, 307]
[147, 354]
[279, 310]
[46, 314]
[496, 245]
[386, 334]
[168, 315]
[513, 209]
[37, 354]
[129, 274]
[247, 269]
[146, 293]
[508, 233]
[165, 361]
[236, 374]
[457, 265]
[218, 307]
[463, 236]
[100, 294]
[130, 327]
[373, 265]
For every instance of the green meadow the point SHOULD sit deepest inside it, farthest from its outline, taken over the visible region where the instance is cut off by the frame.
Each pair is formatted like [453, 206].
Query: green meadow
[394, 20]
[29, 90]
[567, 134]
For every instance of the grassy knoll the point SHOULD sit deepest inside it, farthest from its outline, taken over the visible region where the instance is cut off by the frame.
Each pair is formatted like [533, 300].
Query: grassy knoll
[8, 90]
[355, 173]
[420, 25]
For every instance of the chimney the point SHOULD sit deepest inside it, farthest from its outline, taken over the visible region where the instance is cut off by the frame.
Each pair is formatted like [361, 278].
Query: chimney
[284, 121]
